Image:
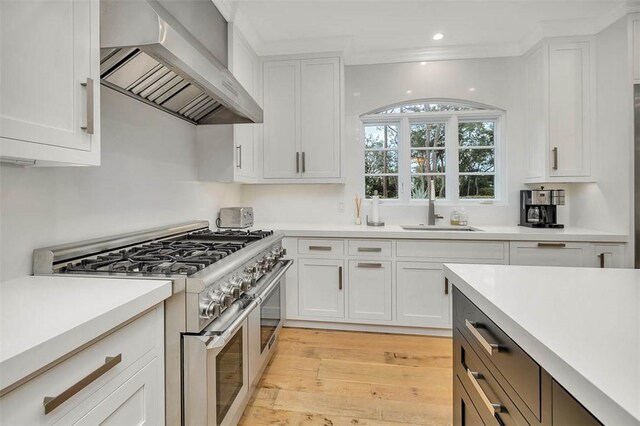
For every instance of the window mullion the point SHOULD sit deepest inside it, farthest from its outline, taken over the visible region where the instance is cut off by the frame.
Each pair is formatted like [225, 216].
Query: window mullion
[404, 166]
[452, 160]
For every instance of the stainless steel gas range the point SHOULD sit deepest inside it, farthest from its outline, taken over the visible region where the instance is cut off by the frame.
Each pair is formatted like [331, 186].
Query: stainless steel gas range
[223, 319]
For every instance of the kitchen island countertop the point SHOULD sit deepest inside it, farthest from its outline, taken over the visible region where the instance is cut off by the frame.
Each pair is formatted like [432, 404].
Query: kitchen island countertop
[43, 318]
[485, 232]
[582, 325]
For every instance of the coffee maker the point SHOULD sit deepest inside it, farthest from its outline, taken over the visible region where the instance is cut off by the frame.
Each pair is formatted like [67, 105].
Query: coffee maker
[538, 207]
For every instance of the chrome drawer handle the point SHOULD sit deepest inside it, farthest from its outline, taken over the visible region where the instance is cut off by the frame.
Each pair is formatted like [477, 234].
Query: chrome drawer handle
[52, 402]
[370, 249]
[320, 248]
[552, 245]
[89, 128]
[491, 407]
[472, 326]
[369, 265]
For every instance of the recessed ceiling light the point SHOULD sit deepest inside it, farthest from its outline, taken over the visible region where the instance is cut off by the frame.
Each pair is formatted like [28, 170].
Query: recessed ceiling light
[409, 92]
[438, 36]
[423, 63]
[472, 89]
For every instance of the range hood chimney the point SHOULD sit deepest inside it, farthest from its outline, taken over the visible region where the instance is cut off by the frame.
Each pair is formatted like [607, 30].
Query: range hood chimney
[172, 54]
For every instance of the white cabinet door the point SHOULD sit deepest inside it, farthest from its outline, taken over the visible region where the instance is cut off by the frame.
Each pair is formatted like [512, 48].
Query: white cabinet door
[422, 299]
[321, 288]
[607, 256]
[281, 119]
[320, 118]
[569, 108]
[535, 98]
[549, 254]
[370, 290]
[49, 50]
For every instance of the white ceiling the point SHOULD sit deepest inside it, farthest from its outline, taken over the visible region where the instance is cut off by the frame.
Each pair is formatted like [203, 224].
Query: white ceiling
[381, 30]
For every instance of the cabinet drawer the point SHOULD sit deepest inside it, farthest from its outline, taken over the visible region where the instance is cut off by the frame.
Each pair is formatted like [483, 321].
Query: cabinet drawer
[321, 247]
[567, 411]
[459, 251]
[464, 412]
[549, 253]
[498, 350]
[370, 248]
[481, 386]
[128, 344]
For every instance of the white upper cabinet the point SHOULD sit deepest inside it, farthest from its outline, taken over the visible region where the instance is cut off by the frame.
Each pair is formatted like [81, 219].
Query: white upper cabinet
[302, 124]
[49, 74]
[560, 100]
[229, 153]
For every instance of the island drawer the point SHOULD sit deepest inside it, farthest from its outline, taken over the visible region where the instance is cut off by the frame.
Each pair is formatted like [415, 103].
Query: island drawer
[370, 248]
[464, 412]
[489, 398]
[57, 391]
[458, 251]
[321, 247]
[499, 352]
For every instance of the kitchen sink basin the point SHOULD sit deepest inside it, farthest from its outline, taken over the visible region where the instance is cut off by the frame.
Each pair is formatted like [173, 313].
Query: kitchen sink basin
[439, 228]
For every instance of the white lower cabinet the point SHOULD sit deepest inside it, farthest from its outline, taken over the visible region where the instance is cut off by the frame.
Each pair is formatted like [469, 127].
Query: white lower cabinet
[531, 253]
[321, 288]
[129, 390]
[422, 299]
[607, 255]
[369, 285]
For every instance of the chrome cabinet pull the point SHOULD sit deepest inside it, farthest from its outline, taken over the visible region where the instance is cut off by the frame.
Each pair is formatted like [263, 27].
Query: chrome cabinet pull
[304, 166]
[491, 348]
[339, 277]
[320, 248]
[552, 245]
[297, 162]
[369, 265]
[491, 407]
[370, 249]
[555, 158]
[239, 152]
[52, 402]
[89, 128]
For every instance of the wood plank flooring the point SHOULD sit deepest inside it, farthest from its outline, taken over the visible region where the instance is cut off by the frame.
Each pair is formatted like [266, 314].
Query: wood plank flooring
[332, 378]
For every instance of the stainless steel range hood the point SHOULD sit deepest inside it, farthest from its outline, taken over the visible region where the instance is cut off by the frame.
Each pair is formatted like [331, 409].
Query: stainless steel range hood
[171, 54]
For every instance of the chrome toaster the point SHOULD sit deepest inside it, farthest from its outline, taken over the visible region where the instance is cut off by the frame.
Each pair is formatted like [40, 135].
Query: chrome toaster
[235, 217]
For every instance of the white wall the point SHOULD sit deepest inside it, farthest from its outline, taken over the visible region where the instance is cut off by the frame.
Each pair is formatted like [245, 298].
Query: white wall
[497, 82]
[148, 178]
[606, 204]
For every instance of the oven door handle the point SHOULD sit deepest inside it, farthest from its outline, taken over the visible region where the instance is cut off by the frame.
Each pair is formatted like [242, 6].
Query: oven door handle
[220, 341]
[286, 264]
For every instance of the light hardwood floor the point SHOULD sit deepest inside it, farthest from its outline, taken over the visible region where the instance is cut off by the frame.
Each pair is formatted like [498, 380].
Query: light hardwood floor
[331, 378]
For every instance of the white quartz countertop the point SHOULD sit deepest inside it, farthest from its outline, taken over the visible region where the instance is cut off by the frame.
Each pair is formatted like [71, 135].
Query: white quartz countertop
[505, 233]
[45, 317]
[582, 325]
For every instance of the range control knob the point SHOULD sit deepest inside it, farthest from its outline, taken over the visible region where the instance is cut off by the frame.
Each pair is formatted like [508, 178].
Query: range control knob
[209, 310]
[230, 290]
[220, 298]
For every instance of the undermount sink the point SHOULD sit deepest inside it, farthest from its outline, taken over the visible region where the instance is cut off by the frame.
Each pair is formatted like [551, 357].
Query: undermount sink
[446, 228]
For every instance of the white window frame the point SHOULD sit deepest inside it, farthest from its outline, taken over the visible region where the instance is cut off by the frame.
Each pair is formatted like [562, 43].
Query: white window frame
[452, 119]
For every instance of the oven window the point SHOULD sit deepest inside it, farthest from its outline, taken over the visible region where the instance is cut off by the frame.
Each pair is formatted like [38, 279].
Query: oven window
[229, 377]
[269, 317]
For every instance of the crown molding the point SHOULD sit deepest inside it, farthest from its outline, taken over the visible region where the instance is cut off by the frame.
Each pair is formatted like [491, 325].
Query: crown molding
[550, 28]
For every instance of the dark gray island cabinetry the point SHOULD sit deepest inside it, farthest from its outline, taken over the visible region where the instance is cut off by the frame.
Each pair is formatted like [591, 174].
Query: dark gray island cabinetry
[497, 383]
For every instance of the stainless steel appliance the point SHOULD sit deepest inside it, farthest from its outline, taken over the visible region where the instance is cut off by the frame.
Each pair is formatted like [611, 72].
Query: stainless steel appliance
[235, 217]
[538, 207]
[220, 278]
[172, 55]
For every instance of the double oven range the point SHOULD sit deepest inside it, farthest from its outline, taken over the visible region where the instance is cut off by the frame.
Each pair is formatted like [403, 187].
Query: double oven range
[223, 319]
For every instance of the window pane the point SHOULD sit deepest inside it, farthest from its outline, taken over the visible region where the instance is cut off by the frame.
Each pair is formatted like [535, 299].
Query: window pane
[477, 187]
[430, 135]
[387, 186]
[479, 133]
[381, 161]
[381, 136]
[429, 107]
[477, 161]
[428, 161]
[420, 187]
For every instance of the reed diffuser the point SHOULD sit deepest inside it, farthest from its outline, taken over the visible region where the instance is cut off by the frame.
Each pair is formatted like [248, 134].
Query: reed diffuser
[358, 207]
